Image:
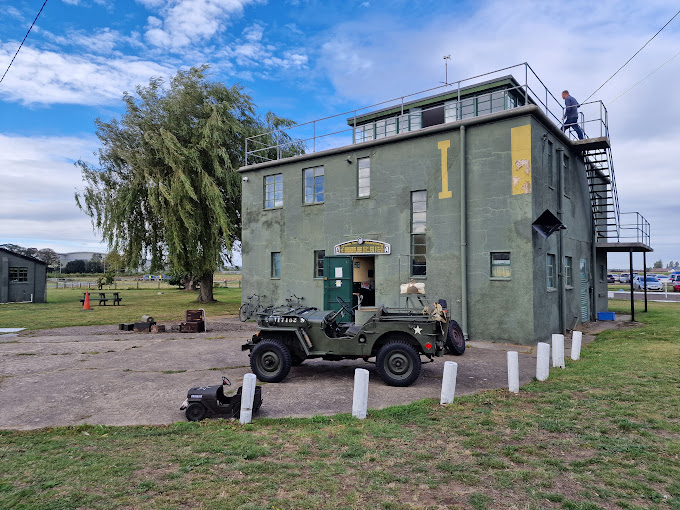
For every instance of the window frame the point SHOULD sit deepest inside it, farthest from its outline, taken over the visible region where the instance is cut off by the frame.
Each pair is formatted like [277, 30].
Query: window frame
[21, 274]
[318, 270]
[551, 165]
[315, 175]
[419, 234]
[359, 169]
[273, 273]
[568, 272]
[550, 271]
[492, 266]
[273, 183]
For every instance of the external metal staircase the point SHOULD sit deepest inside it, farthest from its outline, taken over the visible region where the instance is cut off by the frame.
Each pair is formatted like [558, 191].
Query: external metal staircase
[604, 199]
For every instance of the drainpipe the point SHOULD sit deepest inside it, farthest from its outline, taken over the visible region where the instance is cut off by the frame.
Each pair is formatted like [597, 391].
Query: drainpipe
[560, 247]
[463, 236]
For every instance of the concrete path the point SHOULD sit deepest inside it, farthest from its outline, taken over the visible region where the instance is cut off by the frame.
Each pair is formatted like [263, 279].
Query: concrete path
[99, 375]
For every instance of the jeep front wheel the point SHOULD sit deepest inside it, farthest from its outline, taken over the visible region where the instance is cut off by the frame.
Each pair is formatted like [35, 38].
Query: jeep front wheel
[270, 361]
[398, 363]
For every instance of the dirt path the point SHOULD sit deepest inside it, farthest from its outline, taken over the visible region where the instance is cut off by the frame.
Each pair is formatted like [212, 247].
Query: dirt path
[100, 375]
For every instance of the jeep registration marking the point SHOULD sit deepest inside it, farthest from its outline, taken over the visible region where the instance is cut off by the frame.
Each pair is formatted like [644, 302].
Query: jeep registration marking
[287, 320]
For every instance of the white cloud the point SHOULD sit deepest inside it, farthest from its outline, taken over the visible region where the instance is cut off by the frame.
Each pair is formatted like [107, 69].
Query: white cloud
[47, 77]
[39, 181]
[186, 22]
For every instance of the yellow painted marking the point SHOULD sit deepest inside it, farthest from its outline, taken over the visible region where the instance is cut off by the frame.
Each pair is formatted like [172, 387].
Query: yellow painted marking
[520, 143]
[444, 148]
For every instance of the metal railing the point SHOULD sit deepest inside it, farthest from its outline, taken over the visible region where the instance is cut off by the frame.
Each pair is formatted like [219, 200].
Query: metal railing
[636, 229]
[333, 131]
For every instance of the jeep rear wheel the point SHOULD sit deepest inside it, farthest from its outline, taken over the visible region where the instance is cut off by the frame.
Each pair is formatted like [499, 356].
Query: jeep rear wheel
[455, 340]
[398, 363]
[270, 361]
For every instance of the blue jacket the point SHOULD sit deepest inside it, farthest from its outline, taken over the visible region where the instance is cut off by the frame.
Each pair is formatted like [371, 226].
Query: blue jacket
[571, 112]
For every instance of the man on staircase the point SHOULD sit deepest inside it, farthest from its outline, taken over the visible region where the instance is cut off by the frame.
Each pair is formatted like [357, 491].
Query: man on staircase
[571, 115]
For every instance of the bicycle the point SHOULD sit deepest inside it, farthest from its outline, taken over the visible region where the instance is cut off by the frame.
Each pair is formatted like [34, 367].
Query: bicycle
[249, 309]
[289, 301]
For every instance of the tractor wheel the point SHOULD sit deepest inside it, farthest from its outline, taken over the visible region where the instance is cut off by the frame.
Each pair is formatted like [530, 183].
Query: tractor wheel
[455, 341]
[270, 361]
[195, 412]
[398, 363]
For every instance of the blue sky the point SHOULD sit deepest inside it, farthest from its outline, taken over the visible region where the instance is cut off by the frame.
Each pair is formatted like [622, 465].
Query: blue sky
[305, 60]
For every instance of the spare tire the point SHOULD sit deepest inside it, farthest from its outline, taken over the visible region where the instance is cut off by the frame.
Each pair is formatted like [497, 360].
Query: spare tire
[455, 340]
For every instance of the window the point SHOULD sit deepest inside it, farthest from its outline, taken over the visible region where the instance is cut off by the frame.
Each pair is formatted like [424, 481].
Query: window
[483, 104]
[363, 177]
[498, 101]
[18, 274]
[418, 239]
[566, 175]
[273, 191]
[450, 111]
[276, 264]
[415, 118]
[313, 183]
[568, 272]
[318, 263]
[467, 108]
[551, 168]
[550, 271]
[500, 265]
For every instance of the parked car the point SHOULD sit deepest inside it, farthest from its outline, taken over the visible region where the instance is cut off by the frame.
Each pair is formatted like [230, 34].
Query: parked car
[675, 278]
[676, 286]
[612, 278]
[663, 278]
[624, 278]
[652, 283]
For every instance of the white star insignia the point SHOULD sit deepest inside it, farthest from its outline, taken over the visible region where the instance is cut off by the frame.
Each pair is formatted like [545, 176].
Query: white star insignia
[417, 330]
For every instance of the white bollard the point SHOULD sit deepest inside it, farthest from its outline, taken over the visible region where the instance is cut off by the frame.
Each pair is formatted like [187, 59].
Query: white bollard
[449, 382]
[247, 397]
[360, 401]
[542, 361]
[558, 350]
[576, 338]
[513, 371]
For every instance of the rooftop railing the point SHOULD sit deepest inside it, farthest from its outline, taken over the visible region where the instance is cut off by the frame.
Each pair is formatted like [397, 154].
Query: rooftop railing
[333, 131]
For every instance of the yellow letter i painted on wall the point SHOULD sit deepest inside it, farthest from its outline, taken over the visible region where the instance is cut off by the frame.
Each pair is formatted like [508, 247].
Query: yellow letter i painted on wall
[444, 148]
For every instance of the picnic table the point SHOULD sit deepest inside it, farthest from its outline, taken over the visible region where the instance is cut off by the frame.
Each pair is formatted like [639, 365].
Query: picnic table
[103, 299]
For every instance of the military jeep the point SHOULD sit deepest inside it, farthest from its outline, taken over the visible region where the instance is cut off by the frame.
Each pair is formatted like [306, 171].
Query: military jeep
[396, 338]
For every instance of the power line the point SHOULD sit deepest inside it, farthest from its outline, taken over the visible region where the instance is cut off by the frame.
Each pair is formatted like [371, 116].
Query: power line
[631, 58]
[643, 79]
[22, 42]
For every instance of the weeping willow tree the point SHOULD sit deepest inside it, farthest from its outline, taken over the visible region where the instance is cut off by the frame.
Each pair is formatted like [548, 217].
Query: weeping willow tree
[166, 184]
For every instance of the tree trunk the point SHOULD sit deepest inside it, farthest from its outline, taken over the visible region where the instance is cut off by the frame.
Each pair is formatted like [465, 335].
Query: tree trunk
[189, 284]
[205, 293]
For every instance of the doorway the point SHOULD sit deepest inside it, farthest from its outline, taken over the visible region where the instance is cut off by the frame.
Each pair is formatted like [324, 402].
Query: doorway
[364, 281]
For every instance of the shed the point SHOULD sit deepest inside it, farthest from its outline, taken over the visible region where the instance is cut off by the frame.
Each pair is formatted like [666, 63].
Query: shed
[22, 278]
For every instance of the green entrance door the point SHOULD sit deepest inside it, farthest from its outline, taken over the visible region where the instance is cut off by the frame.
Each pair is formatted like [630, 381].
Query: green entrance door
[585, 301]
[338, 279]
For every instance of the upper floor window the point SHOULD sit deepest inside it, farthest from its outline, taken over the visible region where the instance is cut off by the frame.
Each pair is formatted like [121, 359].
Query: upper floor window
[551, 167]
[18, 274]
[314, 185]
[273, 191]
[363, 177]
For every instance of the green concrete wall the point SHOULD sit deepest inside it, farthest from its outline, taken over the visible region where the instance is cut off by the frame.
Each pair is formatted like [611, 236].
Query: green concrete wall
[517, 309]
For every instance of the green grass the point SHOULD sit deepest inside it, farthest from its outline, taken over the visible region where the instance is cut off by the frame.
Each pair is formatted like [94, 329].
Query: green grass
[602, 433]
[63, 308]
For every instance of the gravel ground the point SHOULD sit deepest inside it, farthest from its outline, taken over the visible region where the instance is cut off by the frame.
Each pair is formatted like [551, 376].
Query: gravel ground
[100, 375]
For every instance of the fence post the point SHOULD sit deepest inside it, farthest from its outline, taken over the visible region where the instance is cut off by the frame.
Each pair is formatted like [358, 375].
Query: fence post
[247, 398]
[558, 350]
[513, 371]
[542, 361]
[449, 382]
[360, 400]
[576, 339]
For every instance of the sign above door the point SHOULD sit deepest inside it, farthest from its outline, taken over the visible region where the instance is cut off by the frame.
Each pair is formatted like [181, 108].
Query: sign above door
[362, 247]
